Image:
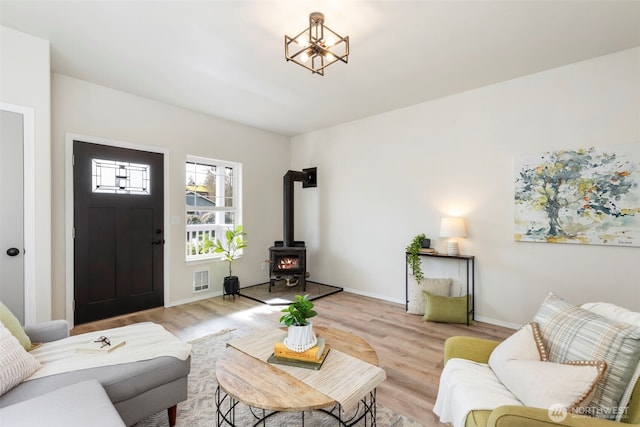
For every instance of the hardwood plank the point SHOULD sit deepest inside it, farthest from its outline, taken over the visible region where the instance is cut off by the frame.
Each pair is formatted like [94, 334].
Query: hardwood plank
[409, 350]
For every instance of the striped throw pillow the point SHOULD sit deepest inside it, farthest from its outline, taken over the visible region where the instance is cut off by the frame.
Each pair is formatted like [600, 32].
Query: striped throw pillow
[15, 363]
[572, 333]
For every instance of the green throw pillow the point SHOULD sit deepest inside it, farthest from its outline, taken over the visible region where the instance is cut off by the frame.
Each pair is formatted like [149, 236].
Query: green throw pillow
[445, 309]
[12, 323]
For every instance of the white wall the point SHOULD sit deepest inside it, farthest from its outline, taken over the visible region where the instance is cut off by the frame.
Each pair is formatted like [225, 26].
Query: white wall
[384, 179]
[25, 81]
[87, 109]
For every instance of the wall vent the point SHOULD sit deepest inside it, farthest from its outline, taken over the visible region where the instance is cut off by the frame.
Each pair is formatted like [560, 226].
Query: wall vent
[200, 280]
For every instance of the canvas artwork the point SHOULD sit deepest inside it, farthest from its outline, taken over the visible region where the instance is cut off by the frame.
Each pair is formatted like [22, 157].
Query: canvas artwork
[584, 196]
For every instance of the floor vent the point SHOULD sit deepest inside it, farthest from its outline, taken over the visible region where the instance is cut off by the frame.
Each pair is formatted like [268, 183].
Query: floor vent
[200, 280]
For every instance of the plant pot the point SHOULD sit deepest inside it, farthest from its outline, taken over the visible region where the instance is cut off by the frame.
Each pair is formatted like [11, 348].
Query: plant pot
[300, 338]
[231, 285]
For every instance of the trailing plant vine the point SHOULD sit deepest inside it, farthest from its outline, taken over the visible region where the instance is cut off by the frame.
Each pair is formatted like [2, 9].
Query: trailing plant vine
[413, 259]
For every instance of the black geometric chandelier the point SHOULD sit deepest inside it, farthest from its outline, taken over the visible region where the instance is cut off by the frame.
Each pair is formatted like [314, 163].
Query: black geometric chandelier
[316, 47]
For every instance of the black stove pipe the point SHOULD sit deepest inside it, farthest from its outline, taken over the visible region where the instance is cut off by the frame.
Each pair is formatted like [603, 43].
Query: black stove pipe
[289, 178]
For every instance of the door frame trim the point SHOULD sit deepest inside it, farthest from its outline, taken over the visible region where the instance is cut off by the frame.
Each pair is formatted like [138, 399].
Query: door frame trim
[29, 188]
[69, 201]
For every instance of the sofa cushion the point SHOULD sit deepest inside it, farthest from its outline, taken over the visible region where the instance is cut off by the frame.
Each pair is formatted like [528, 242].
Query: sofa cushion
[573, 333]
[12, 323]
[435, 286]
[48, 331]
[614, 312]
[15, 363]
[444, 309]
[619, 314]
[520, 364]
[121, 382]
[77, 405]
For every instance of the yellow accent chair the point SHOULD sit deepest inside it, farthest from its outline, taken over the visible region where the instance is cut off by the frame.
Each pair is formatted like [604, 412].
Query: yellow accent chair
[479, 350]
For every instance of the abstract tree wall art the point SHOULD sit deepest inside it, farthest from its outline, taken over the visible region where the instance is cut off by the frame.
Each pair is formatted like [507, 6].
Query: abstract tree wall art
[583, 196]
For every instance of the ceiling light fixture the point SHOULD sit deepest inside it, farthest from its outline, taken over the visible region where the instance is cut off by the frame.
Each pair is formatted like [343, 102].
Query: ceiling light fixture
[316, 47]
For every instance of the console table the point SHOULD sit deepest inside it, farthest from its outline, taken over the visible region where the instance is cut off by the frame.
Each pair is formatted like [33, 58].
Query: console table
[470, 273]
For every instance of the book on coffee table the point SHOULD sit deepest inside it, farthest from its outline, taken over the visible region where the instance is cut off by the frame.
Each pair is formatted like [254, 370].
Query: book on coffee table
[314, 354]
[315, 365]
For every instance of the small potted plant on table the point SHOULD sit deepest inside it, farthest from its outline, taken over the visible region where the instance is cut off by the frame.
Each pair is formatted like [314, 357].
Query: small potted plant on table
[231, 251]
[413, 257]
[300, 336]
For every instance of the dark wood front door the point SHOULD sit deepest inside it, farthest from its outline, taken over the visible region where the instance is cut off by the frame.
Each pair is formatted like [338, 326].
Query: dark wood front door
[118, 231]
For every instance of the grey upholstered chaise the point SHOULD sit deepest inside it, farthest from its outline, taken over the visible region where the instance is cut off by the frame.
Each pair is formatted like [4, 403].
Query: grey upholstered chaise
[136, 390]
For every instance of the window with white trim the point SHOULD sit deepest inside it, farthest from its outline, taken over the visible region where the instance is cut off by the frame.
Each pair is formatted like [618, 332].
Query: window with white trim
[213, 197]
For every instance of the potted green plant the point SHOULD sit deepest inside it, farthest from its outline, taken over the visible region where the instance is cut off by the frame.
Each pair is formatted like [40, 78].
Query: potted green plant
[234, 242]
[300, 336]
[413, 259]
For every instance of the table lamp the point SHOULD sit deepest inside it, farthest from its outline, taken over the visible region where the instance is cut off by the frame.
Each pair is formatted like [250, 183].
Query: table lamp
[452, 228]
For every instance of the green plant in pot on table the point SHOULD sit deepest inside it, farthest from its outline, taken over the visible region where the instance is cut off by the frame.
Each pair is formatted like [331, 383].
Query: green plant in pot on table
[413, 259]
[231, 248]
[300, 336]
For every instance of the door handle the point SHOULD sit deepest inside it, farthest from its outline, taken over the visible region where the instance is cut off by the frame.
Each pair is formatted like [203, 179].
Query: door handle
[158, 242]
[13, 251]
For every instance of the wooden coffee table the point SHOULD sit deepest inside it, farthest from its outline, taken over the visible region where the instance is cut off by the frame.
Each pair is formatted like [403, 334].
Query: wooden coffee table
[249, 379]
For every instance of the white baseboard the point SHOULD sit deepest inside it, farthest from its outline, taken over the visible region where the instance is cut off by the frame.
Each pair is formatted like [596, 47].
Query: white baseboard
[372, 295]
[498, 322]
[204, 295]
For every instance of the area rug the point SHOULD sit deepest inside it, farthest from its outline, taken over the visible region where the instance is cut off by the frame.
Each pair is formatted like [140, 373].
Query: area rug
[199, 410]
[281, 294]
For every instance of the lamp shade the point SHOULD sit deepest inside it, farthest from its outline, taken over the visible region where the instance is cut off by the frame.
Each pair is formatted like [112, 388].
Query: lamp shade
[452, 227]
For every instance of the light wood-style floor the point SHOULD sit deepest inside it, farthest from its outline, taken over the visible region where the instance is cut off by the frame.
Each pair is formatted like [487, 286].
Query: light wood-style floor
[409, 350]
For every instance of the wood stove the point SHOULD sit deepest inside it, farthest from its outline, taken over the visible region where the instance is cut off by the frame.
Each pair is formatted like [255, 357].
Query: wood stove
[288, 257]
[288, 263]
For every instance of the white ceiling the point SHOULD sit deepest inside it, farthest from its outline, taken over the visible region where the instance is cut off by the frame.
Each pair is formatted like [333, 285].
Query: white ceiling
[226, 58]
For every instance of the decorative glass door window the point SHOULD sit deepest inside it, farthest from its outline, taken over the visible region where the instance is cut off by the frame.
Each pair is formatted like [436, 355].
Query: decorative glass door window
[110, 176]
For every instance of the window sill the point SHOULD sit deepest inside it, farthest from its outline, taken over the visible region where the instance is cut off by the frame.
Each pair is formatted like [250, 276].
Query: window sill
[193, 261]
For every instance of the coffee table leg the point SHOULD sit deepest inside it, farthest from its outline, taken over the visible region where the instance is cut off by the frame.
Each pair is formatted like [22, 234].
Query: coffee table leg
[228, 416]
[262, 419]
[365, 412]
